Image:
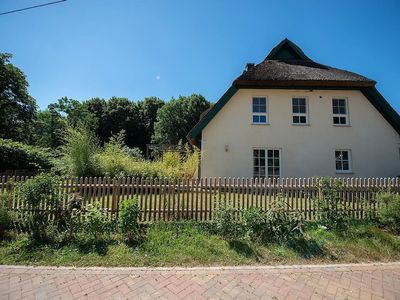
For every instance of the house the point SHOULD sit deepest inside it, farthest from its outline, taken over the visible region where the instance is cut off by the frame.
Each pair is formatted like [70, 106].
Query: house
[290, 116]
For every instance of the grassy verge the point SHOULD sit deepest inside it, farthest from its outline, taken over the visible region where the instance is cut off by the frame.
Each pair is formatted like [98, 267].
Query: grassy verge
[191, 245]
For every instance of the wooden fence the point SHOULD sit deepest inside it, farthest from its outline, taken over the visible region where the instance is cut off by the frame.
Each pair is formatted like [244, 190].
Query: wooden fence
[168, 199]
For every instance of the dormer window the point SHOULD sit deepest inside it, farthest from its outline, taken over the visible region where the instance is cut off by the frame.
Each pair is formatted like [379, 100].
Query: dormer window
[340, 112]
[260, 113]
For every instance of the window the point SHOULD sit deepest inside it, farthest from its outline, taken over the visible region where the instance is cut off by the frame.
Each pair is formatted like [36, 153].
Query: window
[259, 163]
[266, 163]
[343, 161]
[299, 110]
[340, 114]
[260, 115]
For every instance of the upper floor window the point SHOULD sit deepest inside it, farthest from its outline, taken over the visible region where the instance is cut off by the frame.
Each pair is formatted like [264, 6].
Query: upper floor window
[260, 114]
[299, 110]
[343, 161]
[340, 112]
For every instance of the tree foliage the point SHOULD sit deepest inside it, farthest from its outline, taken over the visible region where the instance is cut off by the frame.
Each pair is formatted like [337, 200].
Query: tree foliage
[176, 118]
[17, 107]
[17, 156]
[104, 118]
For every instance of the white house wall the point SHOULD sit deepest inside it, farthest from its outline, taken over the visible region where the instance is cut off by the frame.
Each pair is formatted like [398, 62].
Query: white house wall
[228, 140]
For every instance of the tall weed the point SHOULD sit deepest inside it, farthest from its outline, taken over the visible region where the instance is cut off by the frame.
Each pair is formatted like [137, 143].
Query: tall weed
[79, 149]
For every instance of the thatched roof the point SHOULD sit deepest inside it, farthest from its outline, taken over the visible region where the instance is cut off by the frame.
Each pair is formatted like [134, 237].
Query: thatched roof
[288, 65]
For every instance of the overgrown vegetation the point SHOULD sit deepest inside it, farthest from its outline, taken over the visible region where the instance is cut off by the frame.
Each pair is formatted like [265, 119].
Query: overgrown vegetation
[189, 244]
[78, 151]
[5, 216]
[128, 222]
[83, 156]
[83, 234]
[277, 225]
[17, 156]
[331, 210]
[40, 195]
[389, 213]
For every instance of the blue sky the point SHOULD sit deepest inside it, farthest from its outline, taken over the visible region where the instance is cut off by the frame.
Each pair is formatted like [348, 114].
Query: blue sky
[165, 48]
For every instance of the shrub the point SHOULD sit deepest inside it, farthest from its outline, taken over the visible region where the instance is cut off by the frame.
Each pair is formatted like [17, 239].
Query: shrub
[115, 161]
[41, 191]
[5, 216]
[275, 225]
[96, 224]
[331, 211]
[79, 151]
[389, 212]
[255, 223]
[128, 222]
[191, 163]
[69, 220]
[225, 223]
[17, 156]
[134, 153]
[171, 159]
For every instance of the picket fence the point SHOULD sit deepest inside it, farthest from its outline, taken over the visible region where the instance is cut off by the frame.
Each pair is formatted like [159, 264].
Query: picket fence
[195, 199]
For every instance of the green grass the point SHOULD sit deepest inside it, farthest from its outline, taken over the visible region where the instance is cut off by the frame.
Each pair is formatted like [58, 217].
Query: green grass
[192, 245]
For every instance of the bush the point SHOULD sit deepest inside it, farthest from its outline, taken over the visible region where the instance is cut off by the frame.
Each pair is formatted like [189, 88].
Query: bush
[96, 224]
[134, 153]
[128, 222]
[79, 152]
[331, 211]
[389, 213]
[226, 224]
[276, 225]
[5, 216]
[41, 191]
[18, 156]
[115, 161]
[70, 219]
[190, 164]
[255, 223]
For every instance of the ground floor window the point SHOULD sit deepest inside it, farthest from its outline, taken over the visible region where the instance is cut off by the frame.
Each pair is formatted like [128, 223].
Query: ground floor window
[266, 163]
[343, 161]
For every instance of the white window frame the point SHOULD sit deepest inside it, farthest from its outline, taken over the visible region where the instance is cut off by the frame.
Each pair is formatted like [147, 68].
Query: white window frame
[259, 113]
[350, 170]
[300, 114]
[259, 166]
[266, 174]
[346, 115]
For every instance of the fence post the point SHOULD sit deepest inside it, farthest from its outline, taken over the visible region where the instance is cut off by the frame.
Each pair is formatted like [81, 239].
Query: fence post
[115, 192]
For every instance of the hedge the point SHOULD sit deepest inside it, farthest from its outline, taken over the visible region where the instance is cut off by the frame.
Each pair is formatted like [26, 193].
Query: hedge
[17, 156]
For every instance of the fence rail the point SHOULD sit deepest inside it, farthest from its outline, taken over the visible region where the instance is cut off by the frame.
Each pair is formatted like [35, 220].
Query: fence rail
[167, 199]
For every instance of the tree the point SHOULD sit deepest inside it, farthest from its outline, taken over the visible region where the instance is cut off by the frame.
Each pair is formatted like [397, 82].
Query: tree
[177, 117]
[76, 113]
[97, 108]
[122, 114]
[149, 108]
[17, 107]
[48, 129]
